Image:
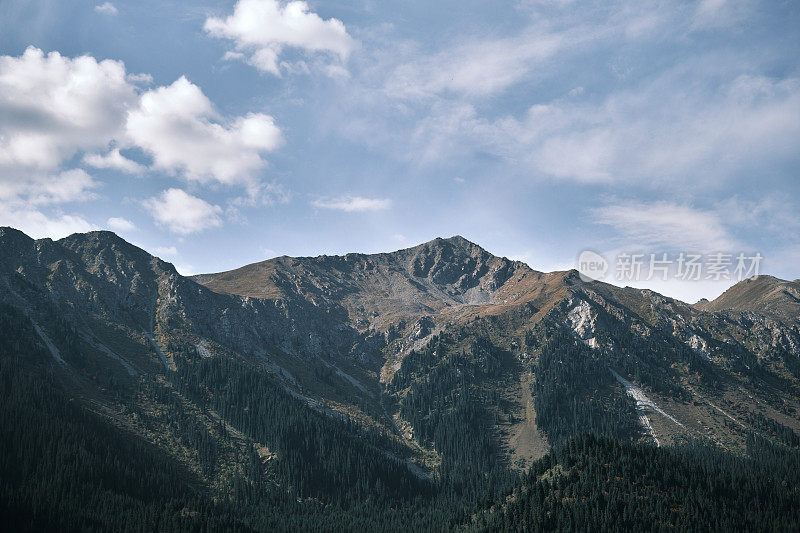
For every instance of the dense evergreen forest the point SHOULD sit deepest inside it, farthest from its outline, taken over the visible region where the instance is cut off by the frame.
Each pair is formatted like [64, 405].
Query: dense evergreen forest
[449, 409]
[571, 392]
[599, 483]
[66, 466]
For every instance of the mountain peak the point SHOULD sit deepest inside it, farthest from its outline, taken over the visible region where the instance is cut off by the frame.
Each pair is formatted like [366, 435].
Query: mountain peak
[99, 236]
[448, 248]
[96, 241]
[455, 240]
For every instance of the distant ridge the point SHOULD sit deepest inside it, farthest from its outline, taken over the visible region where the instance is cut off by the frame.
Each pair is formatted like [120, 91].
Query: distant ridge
[766, 295]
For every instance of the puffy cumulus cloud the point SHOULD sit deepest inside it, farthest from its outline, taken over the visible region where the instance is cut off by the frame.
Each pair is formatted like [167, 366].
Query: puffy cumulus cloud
[55, 110]
[183, 213]
[120, 224]
[352, 203]
[53, 106]
[263, 28]
[177, 126]
[113, 160]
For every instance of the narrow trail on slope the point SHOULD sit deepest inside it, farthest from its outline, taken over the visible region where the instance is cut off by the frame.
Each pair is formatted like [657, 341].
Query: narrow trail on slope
[725, 413]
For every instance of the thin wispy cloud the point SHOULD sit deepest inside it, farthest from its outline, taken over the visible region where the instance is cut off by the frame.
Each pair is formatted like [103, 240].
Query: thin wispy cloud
[165, 251]
[665, 226]
[478, 68]
[352, 203]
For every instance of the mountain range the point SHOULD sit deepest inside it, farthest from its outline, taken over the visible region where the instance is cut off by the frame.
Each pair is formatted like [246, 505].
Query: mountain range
[434, 373]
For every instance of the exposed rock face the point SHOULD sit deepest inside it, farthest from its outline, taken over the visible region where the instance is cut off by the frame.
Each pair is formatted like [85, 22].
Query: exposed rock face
[422, 328]
[582, 320]
[385, 293]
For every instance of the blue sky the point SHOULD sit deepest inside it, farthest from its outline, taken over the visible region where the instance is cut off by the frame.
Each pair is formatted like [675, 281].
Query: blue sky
[218, 133]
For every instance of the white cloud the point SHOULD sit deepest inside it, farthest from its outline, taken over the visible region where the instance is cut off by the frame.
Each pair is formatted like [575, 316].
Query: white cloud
[106, 9]
[480, 67]
[185, 269]
[113, 160]
[183, 213]
[177, 126]
[680, 126]
[269, 193]
[263, 28]
[352, 203]
[56, 109]
[773, 212]
[120, 224]
[52, 106]
[672, 127]
[38, 225]
[704, 116]
[68, 186]
[664, 226]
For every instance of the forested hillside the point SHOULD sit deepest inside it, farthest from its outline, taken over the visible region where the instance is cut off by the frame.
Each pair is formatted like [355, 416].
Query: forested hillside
[599, 483]
[434, 388]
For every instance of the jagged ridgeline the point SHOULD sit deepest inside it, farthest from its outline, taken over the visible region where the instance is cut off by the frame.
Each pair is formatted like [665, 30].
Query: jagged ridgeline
[434, 387]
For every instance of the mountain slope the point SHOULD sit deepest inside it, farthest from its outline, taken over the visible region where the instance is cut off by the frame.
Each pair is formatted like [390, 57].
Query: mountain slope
[499, 313]
[438, 371]
[140, 344]
[764, 295]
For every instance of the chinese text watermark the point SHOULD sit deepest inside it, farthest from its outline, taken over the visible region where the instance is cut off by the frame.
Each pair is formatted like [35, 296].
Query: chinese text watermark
[683, 266]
